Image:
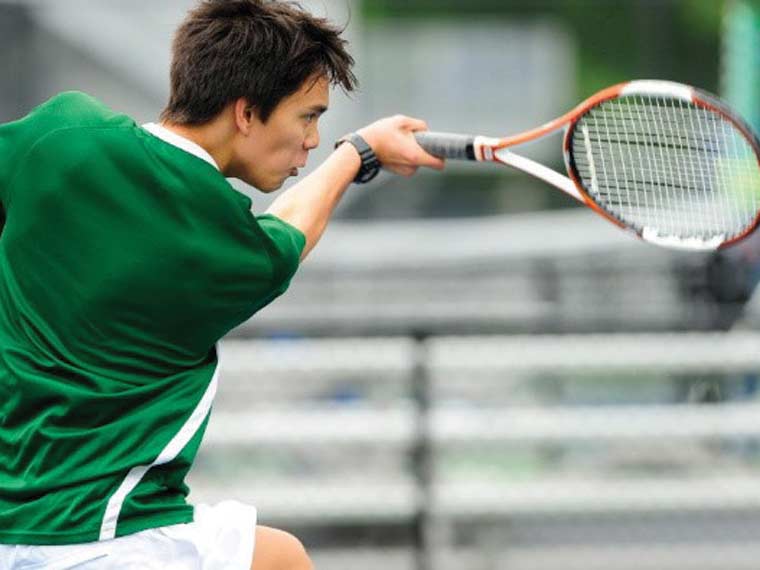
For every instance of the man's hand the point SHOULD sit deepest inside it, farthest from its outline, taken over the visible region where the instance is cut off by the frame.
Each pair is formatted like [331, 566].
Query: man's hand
[392, 140]
[308, 204]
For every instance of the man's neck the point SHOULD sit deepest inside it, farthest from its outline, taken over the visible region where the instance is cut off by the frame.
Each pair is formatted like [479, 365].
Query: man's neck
[210, 137]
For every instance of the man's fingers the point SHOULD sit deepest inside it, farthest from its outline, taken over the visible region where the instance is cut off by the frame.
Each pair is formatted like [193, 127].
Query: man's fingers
[440, 164]
[424, 158]
[431, 161]
[417, 156]
[393, 140]
[402, 169]
[413, 124]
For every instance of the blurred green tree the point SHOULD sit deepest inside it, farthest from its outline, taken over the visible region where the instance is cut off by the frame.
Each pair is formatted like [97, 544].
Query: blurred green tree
[617, 40]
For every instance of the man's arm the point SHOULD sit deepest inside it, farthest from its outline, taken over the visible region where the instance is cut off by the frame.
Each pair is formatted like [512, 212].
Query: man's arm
[309, 204]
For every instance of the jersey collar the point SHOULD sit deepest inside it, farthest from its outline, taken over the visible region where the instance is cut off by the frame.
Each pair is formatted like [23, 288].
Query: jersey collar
[180, 142]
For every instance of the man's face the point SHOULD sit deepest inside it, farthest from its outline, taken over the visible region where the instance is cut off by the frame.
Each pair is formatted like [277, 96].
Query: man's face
[273, 151]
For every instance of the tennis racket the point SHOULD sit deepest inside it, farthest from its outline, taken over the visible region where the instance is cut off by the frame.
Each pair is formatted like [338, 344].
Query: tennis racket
[669, 162]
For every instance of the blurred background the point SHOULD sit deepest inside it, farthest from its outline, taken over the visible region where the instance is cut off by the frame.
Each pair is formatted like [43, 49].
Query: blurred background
[471, 371]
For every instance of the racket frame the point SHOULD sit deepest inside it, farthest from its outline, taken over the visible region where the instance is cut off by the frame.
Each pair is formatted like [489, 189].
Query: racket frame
[488, 149]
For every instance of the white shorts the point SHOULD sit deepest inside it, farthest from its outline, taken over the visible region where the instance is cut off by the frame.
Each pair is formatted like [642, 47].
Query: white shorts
[221, 537]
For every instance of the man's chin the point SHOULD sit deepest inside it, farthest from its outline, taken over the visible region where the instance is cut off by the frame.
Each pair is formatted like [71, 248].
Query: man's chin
[268, 189]
[274, 186]
[267, 186]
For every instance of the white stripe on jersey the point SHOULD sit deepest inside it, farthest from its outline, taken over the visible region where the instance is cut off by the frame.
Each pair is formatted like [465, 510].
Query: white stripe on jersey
[168, 454]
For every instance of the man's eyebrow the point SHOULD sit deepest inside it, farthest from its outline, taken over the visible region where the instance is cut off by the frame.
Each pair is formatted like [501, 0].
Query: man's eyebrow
[321, 109]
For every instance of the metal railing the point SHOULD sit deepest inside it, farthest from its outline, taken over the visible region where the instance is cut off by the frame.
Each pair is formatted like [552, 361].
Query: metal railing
[705, 458]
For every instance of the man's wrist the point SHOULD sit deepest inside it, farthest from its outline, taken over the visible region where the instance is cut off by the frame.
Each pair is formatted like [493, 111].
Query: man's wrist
[370, 165]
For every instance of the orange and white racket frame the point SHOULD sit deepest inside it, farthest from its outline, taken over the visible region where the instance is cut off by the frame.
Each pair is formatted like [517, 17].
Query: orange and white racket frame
[488, 149]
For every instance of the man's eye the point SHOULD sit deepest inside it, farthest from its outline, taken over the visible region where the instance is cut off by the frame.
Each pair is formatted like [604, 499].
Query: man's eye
[311, 117]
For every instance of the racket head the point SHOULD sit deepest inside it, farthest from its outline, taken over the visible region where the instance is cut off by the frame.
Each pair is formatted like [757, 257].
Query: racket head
[670, 162]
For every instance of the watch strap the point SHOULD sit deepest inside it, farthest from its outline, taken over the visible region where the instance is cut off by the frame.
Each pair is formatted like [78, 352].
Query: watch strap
[370, 165]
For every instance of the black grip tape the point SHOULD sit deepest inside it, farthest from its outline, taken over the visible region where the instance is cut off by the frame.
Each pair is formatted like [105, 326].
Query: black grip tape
[447, 145]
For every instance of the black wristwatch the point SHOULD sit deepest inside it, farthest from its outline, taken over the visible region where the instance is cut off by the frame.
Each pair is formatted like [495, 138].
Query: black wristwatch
[370, 165]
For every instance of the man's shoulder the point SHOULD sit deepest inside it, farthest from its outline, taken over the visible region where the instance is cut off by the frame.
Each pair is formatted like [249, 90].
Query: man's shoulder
[71, 109]
[72, 99]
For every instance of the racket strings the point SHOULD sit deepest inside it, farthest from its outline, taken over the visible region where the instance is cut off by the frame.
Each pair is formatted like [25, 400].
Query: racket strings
[667, 166]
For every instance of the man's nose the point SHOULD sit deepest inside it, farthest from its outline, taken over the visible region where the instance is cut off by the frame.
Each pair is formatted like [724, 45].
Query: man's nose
[312, 140]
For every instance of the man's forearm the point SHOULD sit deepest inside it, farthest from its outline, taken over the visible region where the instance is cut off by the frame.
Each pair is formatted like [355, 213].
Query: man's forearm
[309, 204]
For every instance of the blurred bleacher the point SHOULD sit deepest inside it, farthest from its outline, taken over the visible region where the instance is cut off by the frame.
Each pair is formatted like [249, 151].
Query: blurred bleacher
[535, 391]
[560, 271]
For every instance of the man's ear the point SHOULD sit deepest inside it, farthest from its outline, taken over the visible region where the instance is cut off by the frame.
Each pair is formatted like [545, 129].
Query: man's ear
[245, 115]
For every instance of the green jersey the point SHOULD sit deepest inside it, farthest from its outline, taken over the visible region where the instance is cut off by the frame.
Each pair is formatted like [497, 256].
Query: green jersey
[124, 258]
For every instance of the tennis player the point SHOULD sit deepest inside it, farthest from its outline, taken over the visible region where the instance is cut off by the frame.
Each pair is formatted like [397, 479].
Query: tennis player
[126, 255]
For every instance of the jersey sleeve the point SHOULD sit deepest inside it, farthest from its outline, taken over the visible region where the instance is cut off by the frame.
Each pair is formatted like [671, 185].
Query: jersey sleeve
[17, 138]
[286, 243]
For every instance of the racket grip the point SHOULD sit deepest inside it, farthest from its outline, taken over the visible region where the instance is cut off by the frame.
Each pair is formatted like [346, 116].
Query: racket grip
[447, 145]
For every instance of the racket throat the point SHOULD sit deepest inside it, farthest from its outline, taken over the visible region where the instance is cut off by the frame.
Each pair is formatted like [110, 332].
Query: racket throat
[539, 171]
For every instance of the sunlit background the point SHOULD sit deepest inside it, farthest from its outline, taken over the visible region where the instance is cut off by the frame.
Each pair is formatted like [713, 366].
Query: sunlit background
[470, 372]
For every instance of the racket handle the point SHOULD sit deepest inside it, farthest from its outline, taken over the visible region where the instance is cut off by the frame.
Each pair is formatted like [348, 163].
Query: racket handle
[447, 145]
